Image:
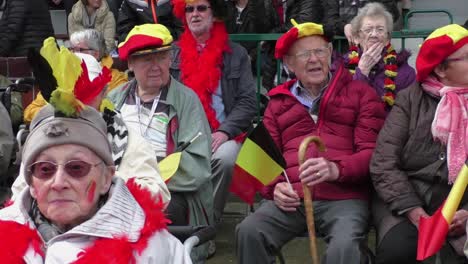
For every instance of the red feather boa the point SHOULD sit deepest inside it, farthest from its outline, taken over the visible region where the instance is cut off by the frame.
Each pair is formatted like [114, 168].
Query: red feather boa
[202, 71]
[16, 238]
[103, 250]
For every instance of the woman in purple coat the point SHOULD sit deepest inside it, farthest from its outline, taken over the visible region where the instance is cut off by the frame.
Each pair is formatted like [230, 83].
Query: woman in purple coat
[373, 59]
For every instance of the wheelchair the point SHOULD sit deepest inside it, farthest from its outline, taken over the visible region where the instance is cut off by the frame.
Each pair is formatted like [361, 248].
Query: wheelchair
[22, 85]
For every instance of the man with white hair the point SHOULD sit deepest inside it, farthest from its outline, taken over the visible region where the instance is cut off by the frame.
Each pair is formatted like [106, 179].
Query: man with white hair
[347, 115]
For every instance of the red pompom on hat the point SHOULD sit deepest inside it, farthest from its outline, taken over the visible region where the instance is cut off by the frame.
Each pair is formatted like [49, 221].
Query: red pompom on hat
[284, 43]
[144, 39]
[437, 47]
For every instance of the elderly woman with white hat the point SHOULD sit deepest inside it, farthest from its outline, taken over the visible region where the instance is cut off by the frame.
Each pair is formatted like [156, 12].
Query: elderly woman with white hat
[74, 209]
[421, 149]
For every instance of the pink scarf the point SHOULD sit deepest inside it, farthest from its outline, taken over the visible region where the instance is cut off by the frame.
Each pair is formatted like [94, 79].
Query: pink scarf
[450, 122]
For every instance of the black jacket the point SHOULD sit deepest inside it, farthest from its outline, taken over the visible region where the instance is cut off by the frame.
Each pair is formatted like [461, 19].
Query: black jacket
[138, 12]
[259, 16]
[24, 24]
[302, 11]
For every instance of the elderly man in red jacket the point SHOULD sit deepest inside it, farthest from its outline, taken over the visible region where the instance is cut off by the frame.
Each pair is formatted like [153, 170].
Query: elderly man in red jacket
[347, 115]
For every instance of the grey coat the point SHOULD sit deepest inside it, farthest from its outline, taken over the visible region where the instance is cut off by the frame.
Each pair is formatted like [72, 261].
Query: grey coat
[408, 168]
[238, 89]
[6, 140]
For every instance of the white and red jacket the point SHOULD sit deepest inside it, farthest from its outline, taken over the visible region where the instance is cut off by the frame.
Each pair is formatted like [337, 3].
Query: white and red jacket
[129, 228]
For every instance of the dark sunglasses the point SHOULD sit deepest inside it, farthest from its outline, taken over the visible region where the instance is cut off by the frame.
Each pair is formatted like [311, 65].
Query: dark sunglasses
[200, 8]
[46, 169]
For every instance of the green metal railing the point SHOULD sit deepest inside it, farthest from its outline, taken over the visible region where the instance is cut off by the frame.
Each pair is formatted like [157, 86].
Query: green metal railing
[404, 34]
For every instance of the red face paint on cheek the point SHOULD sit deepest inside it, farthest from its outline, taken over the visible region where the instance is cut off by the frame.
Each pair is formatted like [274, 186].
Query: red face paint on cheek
[91, 191]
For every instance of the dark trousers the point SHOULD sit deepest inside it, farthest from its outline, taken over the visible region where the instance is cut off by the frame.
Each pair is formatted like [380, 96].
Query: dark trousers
[177, 210]
[399, 245]
[342, 224]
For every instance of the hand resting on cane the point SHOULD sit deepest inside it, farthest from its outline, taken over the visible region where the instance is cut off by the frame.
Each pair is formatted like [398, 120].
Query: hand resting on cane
[317, 170]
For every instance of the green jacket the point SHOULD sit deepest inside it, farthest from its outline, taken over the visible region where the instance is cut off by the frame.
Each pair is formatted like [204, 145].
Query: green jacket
[186, 119]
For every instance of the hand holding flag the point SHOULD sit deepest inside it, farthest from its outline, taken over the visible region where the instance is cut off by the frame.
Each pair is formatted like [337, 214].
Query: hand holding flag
[259, 162]
[169, 165]
[433, 230]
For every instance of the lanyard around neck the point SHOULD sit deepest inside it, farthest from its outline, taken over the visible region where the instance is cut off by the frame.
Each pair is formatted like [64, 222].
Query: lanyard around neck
[150, 117]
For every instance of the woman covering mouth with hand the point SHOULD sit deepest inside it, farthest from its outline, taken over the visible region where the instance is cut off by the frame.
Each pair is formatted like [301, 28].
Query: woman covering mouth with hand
[372, 57]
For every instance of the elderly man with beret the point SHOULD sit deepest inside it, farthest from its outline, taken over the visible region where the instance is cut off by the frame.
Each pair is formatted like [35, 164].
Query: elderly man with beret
[347, 115]
[168, 115]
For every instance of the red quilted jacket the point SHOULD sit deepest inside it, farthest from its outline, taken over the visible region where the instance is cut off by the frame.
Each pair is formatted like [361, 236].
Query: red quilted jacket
[350, 117]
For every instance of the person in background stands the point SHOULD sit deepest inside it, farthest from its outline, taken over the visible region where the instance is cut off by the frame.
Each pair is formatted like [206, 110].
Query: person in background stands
[67, 5]
[87, 14]
[133, 13]
[23, 25]
[243, 17]
[114, 6]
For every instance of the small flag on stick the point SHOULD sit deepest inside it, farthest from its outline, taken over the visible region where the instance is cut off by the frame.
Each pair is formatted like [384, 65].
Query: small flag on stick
[169, 165]
[259, 162]
[433, 230]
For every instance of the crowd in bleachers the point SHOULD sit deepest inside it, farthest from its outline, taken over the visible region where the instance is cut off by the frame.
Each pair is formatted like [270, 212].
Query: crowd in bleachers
[150, 82]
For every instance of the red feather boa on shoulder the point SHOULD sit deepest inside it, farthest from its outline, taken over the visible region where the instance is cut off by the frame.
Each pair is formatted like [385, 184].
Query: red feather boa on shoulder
[117, 250]
[16, 239]
[202, 71]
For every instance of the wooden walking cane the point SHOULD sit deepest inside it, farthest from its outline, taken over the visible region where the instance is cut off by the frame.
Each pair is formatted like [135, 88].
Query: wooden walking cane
[308, 197]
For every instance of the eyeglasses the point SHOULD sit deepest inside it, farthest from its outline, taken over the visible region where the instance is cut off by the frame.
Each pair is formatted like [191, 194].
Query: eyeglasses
[200, 8]
[158, 58]
[81, 50]
[378, 30]
[463, 58]
[46, 169]
[305, 55]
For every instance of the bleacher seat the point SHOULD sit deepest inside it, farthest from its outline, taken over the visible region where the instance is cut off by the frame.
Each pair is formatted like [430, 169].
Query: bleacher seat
[59, 22]
[15, 67]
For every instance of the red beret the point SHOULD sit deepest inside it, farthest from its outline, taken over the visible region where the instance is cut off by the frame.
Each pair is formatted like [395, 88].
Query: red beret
[437, 47]
[284, 43]
[143, 39]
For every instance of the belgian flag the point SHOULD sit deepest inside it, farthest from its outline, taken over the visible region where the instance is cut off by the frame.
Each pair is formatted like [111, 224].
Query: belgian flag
[259, 162]
[433, 230]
